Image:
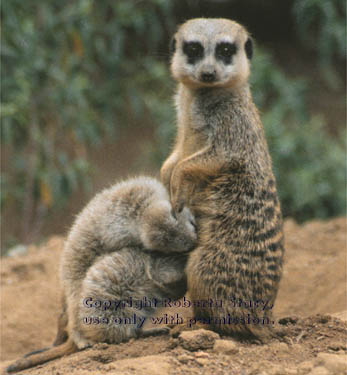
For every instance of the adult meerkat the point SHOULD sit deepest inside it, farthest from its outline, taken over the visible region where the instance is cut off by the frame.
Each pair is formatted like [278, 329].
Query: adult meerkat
[124, 255]
[221, 169]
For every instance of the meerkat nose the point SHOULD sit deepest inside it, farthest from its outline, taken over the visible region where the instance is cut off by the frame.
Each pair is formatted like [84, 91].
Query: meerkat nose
[208, 77]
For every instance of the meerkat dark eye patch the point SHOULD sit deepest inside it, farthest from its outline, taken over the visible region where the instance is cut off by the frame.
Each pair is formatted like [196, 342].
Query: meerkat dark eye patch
[194, 51]
[225, 52]
[173, 46]
[249, 48]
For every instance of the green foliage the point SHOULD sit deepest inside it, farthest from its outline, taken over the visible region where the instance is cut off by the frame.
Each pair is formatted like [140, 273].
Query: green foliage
[311, 170]
[73, 72]
[309, 164]
[322, 26]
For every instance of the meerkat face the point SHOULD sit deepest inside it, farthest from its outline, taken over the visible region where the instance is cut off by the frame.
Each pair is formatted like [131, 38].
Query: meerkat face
[211, 53]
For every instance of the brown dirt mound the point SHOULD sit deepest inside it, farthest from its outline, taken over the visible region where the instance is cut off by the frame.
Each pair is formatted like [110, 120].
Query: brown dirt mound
[314, 282]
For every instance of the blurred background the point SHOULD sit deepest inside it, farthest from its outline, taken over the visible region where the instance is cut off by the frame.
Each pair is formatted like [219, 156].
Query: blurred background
[86, 100]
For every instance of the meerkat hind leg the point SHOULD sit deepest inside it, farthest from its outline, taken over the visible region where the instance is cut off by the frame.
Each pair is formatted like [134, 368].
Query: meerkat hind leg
[62, 334]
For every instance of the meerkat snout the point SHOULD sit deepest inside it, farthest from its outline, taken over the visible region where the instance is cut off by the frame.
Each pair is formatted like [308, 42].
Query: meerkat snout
[209, 74]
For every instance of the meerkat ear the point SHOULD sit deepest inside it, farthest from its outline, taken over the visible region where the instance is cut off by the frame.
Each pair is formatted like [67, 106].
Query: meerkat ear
[249, 48]
[173, 46]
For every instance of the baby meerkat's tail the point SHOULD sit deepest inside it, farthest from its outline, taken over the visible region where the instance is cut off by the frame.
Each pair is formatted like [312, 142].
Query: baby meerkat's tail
[47, 354]
[62, 335]
[68, 347]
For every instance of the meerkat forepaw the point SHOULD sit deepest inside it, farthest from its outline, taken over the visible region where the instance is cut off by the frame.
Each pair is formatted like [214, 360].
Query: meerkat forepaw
[178, 204]
[191, 218]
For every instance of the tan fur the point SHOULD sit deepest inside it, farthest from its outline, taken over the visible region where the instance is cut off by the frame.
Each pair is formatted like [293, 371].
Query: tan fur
[125, 243]
[221, 169]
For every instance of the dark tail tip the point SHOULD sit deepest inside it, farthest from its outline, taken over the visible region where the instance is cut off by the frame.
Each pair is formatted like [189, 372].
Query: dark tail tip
[18, 366]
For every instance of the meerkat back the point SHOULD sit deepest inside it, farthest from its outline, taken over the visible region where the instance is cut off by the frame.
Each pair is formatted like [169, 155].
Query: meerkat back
[221, 169]
[109, 249]
[125, 245]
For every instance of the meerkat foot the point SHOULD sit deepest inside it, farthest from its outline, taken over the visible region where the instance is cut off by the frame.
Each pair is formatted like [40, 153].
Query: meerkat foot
[81, 342]
[178, 329]
[157, 331]
[266, 335]
[84, 345]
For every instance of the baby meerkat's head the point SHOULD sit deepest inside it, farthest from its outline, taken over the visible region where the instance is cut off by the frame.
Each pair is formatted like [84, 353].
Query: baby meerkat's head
[211, 52]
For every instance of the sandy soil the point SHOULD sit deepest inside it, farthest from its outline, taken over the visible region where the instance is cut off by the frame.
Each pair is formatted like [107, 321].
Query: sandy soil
[314, 282]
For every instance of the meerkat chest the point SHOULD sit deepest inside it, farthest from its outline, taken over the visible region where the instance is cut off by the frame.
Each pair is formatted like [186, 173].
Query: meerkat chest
[193, 141]
[211, 112]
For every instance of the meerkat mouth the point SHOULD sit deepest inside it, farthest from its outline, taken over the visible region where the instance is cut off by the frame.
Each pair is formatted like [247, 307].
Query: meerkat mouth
[212, 83]
[204, 80]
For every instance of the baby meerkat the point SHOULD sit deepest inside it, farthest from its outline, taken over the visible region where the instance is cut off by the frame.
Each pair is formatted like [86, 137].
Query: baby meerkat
[124, 254]
[221, 169]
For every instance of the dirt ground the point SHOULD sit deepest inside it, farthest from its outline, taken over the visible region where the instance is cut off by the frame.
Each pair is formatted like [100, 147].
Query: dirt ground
[314, 282]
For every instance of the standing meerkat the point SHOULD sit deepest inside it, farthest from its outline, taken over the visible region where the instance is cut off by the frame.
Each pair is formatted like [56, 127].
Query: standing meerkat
[124, 255]
[221, 169]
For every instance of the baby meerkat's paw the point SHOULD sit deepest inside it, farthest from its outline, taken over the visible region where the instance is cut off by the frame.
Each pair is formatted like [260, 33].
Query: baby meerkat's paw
[164, 231]
[186, 219]
[186, 230]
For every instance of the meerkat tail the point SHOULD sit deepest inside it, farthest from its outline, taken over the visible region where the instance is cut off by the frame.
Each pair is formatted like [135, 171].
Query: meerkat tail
[24, 363]
[37, 352]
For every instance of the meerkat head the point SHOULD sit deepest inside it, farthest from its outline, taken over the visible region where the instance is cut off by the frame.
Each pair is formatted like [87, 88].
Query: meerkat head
[211, 52]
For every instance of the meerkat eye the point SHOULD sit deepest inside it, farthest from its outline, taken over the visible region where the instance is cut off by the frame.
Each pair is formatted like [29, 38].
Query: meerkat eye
[225, 51]
[194, 51]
